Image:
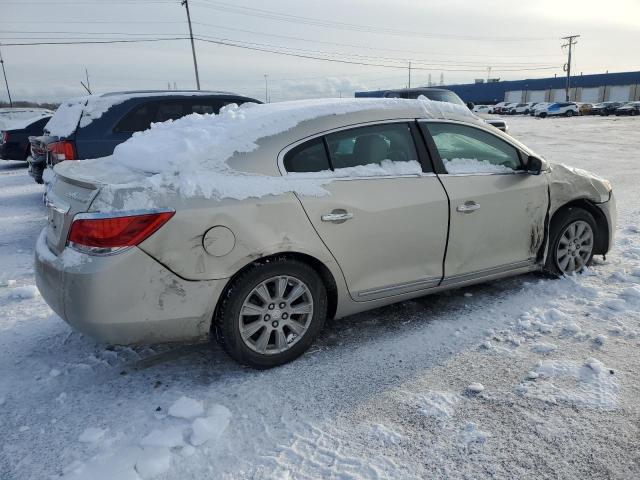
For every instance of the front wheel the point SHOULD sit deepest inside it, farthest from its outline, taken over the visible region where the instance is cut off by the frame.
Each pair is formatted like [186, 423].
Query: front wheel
[271, 313]
[573, 238]
[569, 113]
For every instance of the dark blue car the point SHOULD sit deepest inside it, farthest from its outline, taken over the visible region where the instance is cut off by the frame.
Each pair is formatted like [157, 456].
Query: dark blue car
[14, 140]
[92, 126]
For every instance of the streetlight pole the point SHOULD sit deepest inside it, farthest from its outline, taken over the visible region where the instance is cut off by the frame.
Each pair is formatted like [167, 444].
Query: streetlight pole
[4, 72]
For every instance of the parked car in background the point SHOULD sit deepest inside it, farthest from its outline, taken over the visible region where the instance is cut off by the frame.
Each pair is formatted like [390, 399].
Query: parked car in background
[441, 95]
[92, 126]
[585, 108]
[8, 116]
[631, 108]
[482, 109]
[14, 141]
[538, 107]
[524, 108]
[565, 109]
[605, 108]
[418, 199]
[497, 108]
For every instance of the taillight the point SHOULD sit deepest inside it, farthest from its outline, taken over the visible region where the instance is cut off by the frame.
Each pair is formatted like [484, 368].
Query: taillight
[5, 137]
[63, 150]
[105, 233]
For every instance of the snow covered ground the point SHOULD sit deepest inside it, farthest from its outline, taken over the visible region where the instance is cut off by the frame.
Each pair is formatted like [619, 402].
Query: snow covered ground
[520, 378]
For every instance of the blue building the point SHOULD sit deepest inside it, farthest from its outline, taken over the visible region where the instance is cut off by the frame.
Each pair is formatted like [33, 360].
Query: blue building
[620, 87]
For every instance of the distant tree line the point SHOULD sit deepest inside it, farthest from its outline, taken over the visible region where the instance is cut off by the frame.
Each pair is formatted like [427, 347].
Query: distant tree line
[26, 104]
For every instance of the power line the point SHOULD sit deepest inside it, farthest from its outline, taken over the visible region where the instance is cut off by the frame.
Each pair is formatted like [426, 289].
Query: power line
[89, 42]
[285, 17]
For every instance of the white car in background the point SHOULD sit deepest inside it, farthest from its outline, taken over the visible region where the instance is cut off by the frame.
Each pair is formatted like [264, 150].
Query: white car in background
[524, 108]
[483, 109]
[565, 109]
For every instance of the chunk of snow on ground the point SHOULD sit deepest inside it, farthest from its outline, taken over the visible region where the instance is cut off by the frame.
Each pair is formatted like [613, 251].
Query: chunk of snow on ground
[153, 461]
[571, 328]
[28, 291]
[589, 384]
[631, 293]
[186, 407]
[471, 165]
[600, 339]
[385, 434]
[543, 348]
[3, 400]
[532, 375]
[55, 372]
[471, 434]
[170, 437]
[616, 304]
[211, 427]
[437, 404]
[475, 388]
[555, 315]
[108, 465]
[91, 435]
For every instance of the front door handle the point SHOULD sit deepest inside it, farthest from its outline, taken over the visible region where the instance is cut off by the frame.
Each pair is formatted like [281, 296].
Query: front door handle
[468, 207]
[337, 216]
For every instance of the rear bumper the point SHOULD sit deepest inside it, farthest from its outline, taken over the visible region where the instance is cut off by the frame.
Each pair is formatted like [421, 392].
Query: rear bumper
[128, 298]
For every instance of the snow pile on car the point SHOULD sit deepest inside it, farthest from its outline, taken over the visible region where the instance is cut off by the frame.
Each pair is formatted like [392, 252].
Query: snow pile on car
[473, 165]
[193, 156]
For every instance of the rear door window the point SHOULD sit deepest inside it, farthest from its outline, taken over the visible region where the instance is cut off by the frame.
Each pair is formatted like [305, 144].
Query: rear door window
[139, 118]
[372, 145]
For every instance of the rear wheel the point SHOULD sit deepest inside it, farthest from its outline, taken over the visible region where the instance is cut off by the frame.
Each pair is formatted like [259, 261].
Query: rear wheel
[573, 237]
[271, 313]
[569, 113]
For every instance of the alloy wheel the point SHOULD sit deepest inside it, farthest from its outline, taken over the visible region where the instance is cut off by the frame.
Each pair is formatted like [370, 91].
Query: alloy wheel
[574, 247]
[275, 315]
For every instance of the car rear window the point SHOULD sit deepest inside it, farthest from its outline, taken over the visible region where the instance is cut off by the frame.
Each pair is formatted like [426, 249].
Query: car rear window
[310, 156]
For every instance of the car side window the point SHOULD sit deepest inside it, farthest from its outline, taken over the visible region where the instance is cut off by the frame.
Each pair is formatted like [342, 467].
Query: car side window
[372, 145]
[139, 118]
[170, 111]
[465, 149]
[310, 156]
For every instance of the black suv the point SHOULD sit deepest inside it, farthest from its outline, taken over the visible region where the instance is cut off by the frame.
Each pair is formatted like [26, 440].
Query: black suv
[92, 126]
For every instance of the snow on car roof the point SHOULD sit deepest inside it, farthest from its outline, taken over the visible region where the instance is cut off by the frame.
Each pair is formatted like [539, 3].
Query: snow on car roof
[81, 111]
[192, 154]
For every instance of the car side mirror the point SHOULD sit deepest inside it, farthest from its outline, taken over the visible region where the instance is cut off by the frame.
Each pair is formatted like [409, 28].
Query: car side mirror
[534, 165]
[470, 105]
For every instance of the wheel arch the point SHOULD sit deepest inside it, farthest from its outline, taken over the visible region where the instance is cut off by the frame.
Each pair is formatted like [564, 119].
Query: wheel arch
[602, 238]
[320, 268]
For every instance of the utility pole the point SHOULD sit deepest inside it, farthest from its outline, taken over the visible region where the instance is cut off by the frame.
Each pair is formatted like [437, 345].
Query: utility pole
[4, 72]
[266, 89]
[488, 74]
[409, 74]
[567, 67]
[185, 3]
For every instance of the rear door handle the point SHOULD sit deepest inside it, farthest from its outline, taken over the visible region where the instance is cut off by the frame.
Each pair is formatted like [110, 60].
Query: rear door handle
[337, 216]
[468, 207]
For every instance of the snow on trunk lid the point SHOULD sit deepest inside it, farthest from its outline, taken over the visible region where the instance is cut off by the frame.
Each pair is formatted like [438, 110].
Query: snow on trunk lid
[65, 198]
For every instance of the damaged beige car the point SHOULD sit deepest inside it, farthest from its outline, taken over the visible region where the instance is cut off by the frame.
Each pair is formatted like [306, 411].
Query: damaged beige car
[350, 207]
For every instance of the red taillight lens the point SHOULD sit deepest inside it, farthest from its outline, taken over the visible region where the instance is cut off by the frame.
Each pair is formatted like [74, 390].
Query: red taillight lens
[63, 150]
[115, 232]
[5, 137]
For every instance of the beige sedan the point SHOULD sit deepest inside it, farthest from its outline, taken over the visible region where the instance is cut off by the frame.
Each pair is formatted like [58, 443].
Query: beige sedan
[349, 209]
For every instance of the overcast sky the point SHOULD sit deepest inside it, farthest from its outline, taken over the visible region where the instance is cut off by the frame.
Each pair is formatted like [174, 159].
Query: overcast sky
[458, 39]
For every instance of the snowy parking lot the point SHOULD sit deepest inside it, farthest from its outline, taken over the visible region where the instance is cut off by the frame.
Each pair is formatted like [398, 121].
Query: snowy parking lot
[521, 378]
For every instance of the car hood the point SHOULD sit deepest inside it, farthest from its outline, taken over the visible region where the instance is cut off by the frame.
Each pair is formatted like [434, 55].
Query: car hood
[568, 183]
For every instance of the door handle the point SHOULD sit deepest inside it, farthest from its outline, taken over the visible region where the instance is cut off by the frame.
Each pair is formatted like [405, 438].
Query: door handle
[468, 207]
[337, 216]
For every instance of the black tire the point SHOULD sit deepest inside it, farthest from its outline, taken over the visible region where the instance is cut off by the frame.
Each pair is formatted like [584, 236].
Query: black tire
[543, 115]
[559, 224]
[226, 324]
[569, 113]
